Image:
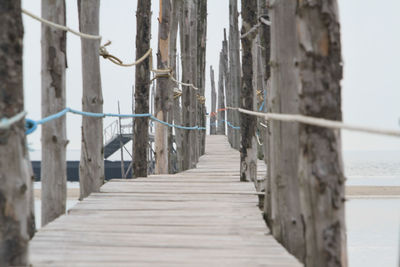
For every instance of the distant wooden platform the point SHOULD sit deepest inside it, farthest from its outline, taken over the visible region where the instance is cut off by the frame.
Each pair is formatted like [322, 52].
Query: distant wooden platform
[201, 217]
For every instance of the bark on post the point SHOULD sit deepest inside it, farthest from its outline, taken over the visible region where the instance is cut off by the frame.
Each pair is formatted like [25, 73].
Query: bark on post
[91, 167]
[54, 137]
[176, 10]
[228, 95]
[265, 42]
[285, 217]
[201, 69]
[194, 157]
[164, 91]
[234, 67]
[320, 160]
[17, 221]
[213, 114]
[248, 150]
[221, 96]
[142, 85]
[186, 78]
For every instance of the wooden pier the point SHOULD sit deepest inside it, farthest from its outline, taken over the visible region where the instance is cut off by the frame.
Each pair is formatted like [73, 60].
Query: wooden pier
[201, 217]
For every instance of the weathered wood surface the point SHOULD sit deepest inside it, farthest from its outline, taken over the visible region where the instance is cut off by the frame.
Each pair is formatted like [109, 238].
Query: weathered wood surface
[156, 221]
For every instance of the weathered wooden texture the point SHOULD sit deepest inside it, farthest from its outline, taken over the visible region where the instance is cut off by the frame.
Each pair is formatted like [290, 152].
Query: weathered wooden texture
[248, 149]
[227, 82]
[54, 135]
[176, 11]
[17, 222]
[163, 95]
[186, 99]
[194, 135]
[285, 214]
[221, 97]
[142, 87]
[235, 72]
[91, 166]
[167, 220]
[201, 69]
[264, 33]
[213, 114]
[321, 176]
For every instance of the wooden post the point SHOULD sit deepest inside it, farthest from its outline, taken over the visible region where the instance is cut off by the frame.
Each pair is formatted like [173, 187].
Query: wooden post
[265, 42]
[213, 114]
[193, 18]
[320, 156]
[176, 10]
[54, 137]
[186, 78]
[91, 167]
[221, 96]
[17, 221]
[285, 218]
[164, 91]
[201, 68]
[234, 67]
[228, 94]
[121, 144]
[248, 150]
[142, 84]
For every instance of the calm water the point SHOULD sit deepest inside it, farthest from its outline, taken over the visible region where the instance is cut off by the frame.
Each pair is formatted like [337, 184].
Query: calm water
[373, 225]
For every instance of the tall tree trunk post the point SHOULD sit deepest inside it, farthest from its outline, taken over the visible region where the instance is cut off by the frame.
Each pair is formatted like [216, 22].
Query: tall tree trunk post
[164, 91]
[235, 72]
[221, 97]
[320, 160]
[17, 221]
[194, 147]
[228, 94]
[142, 85]
[213, 114]
[186, 78]
[91, 166]
[265, 42]
[176, 10]
[201, 69]
[54, 137]
[248, 150]
[286, 223]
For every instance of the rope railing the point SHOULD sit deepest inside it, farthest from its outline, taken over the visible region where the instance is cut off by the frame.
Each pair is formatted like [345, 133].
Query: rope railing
[32, 125]
[319, 122]
[106, 55]
[61, 27]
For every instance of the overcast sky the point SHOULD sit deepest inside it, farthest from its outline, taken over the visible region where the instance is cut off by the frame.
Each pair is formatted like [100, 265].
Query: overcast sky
[370, 41]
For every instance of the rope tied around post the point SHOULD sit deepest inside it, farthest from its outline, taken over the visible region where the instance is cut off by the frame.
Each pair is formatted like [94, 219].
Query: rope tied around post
[6, 123]
[106, 55]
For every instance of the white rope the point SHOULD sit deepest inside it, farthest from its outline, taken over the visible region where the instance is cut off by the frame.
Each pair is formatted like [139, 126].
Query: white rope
[319, 122]
[184, 84]
[61, 27]
[266, 22]
[255, 27]
[258, 140]
[5, 123]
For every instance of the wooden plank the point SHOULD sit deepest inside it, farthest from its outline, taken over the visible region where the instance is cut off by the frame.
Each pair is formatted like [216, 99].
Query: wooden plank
[166, 220]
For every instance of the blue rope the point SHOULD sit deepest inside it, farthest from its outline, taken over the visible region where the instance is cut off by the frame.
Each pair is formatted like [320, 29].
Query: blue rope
[31, 125]
[228, 123]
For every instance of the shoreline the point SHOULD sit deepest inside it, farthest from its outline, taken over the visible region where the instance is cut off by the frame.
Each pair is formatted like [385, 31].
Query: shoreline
[352, 191]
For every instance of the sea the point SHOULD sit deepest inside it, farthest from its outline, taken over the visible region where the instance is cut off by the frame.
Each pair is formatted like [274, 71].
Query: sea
[373, 223]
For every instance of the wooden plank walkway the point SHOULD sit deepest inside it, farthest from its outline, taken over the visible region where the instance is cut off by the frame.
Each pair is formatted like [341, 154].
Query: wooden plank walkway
[190, 219]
